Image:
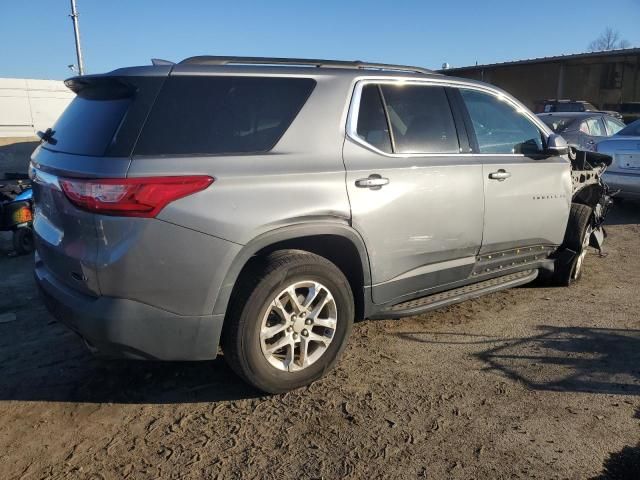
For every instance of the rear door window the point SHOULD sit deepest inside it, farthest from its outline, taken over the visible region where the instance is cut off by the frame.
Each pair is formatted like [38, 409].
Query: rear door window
[595, 127]
[499, 127]
[613, 126]
[372, 121]
[210, 115]
[584, 128]
[421, 119]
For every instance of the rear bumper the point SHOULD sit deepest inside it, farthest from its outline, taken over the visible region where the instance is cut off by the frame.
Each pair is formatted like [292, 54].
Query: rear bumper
[118, 327]
[627, 183]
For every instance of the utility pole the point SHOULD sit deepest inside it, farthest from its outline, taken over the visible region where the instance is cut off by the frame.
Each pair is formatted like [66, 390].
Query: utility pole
[76, 32]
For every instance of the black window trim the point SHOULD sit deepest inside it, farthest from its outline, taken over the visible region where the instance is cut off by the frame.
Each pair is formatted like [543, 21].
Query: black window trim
[354, 107]
[387, 119]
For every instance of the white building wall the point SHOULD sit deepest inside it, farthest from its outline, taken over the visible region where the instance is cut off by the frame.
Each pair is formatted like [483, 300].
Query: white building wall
[28, 105]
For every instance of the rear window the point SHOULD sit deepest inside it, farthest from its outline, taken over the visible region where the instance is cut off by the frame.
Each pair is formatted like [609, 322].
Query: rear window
[222, 115]
[570, 107]
[105, 117]
[88, 124]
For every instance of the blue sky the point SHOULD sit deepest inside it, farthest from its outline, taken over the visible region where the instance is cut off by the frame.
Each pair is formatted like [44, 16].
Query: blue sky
[36, 37]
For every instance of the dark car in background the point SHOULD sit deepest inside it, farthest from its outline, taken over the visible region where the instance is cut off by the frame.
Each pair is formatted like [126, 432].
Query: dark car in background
[582, 130]
[550, 106]
[630, 111]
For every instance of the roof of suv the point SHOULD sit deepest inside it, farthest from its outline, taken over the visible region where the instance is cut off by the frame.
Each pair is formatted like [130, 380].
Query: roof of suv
[272, 65]
[300, 62]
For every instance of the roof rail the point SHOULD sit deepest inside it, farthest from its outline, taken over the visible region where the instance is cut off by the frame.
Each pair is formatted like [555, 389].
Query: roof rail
[302, 62]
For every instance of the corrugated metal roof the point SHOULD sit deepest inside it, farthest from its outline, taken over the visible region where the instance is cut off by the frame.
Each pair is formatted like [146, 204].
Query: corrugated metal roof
[557, 58]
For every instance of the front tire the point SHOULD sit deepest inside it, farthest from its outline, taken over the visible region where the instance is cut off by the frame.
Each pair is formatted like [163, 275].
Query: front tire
[576, 239]
[289, 320]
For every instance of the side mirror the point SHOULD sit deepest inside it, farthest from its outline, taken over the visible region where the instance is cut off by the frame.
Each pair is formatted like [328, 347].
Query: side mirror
[556, 145]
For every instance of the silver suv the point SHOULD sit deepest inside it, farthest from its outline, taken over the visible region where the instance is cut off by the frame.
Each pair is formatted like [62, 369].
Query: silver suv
[262, 205]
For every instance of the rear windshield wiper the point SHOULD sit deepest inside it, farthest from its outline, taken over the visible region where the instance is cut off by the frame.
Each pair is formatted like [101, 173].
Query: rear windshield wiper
[47, 136]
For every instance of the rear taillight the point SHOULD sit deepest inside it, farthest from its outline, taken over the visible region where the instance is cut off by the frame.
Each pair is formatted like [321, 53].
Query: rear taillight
[131, 197]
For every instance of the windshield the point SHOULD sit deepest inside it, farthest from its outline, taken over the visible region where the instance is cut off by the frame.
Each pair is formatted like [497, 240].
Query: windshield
[558, 124]
[631, 130]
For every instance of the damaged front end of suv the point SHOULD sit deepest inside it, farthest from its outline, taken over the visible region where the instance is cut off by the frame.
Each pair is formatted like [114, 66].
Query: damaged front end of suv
[591, 201]
[590, 189]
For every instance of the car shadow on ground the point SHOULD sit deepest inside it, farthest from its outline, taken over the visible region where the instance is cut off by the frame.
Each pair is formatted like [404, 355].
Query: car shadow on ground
[93, 380]
[41, 360]
[565, 359]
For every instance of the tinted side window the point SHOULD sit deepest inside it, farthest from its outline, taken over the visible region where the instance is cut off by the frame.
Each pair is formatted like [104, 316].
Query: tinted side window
[218, 115]
[421, 119]
[499, 127]
[372, 121]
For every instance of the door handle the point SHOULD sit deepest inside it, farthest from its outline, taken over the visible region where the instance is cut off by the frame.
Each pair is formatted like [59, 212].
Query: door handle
[501, 175]
[374, 182]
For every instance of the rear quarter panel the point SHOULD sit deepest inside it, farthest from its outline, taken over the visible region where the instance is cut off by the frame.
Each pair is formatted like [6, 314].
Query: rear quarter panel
[301, 178]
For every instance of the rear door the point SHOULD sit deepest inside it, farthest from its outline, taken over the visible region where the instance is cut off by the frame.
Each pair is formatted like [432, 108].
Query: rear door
[527, 194]
[415, 198]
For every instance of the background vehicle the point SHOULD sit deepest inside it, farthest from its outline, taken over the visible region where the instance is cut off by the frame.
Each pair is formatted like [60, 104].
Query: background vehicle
[624, 173]
[221, 203]
[16, 202]
[582, 130]
[630, 111]
[551, 106]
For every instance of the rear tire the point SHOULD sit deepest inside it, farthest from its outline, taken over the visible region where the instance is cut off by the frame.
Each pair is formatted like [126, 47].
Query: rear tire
[576, 239]
[272, 338]
[23, 241]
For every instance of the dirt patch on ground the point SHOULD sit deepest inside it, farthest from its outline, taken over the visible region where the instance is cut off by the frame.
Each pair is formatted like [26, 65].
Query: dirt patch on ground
[527, 383]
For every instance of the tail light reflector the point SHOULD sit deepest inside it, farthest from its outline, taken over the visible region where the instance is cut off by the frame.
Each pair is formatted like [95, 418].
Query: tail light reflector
[131, 197]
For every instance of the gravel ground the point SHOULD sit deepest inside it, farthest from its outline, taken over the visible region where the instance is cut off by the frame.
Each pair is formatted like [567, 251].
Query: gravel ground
[527, 383]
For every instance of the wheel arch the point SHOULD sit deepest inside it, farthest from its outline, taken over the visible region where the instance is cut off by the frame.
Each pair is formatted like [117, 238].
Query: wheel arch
[337, 242]
[589, 195]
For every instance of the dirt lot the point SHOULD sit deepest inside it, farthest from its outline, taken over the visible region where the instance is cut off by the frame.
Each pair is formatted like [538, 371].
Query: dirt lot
[528, 383]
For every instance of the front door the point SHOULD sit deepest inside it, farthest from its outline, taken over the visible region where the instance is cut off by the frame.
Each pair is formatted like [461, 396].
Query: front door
[417, 202]
[527, 193]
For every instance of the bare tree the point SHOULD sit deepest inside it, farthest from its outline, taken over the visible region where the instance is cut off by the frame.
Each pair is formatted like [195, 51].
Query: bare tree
[609, 40]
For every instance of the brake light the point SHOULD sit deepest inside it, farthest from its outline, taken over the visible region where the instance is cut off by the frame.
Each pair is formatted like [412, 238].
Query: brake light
[131, 197]
[22, 215]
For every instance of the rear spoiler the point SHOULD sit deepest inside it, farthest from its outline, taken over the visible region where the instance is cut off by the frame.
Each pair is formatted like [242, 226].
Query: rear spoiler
[159, 61]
